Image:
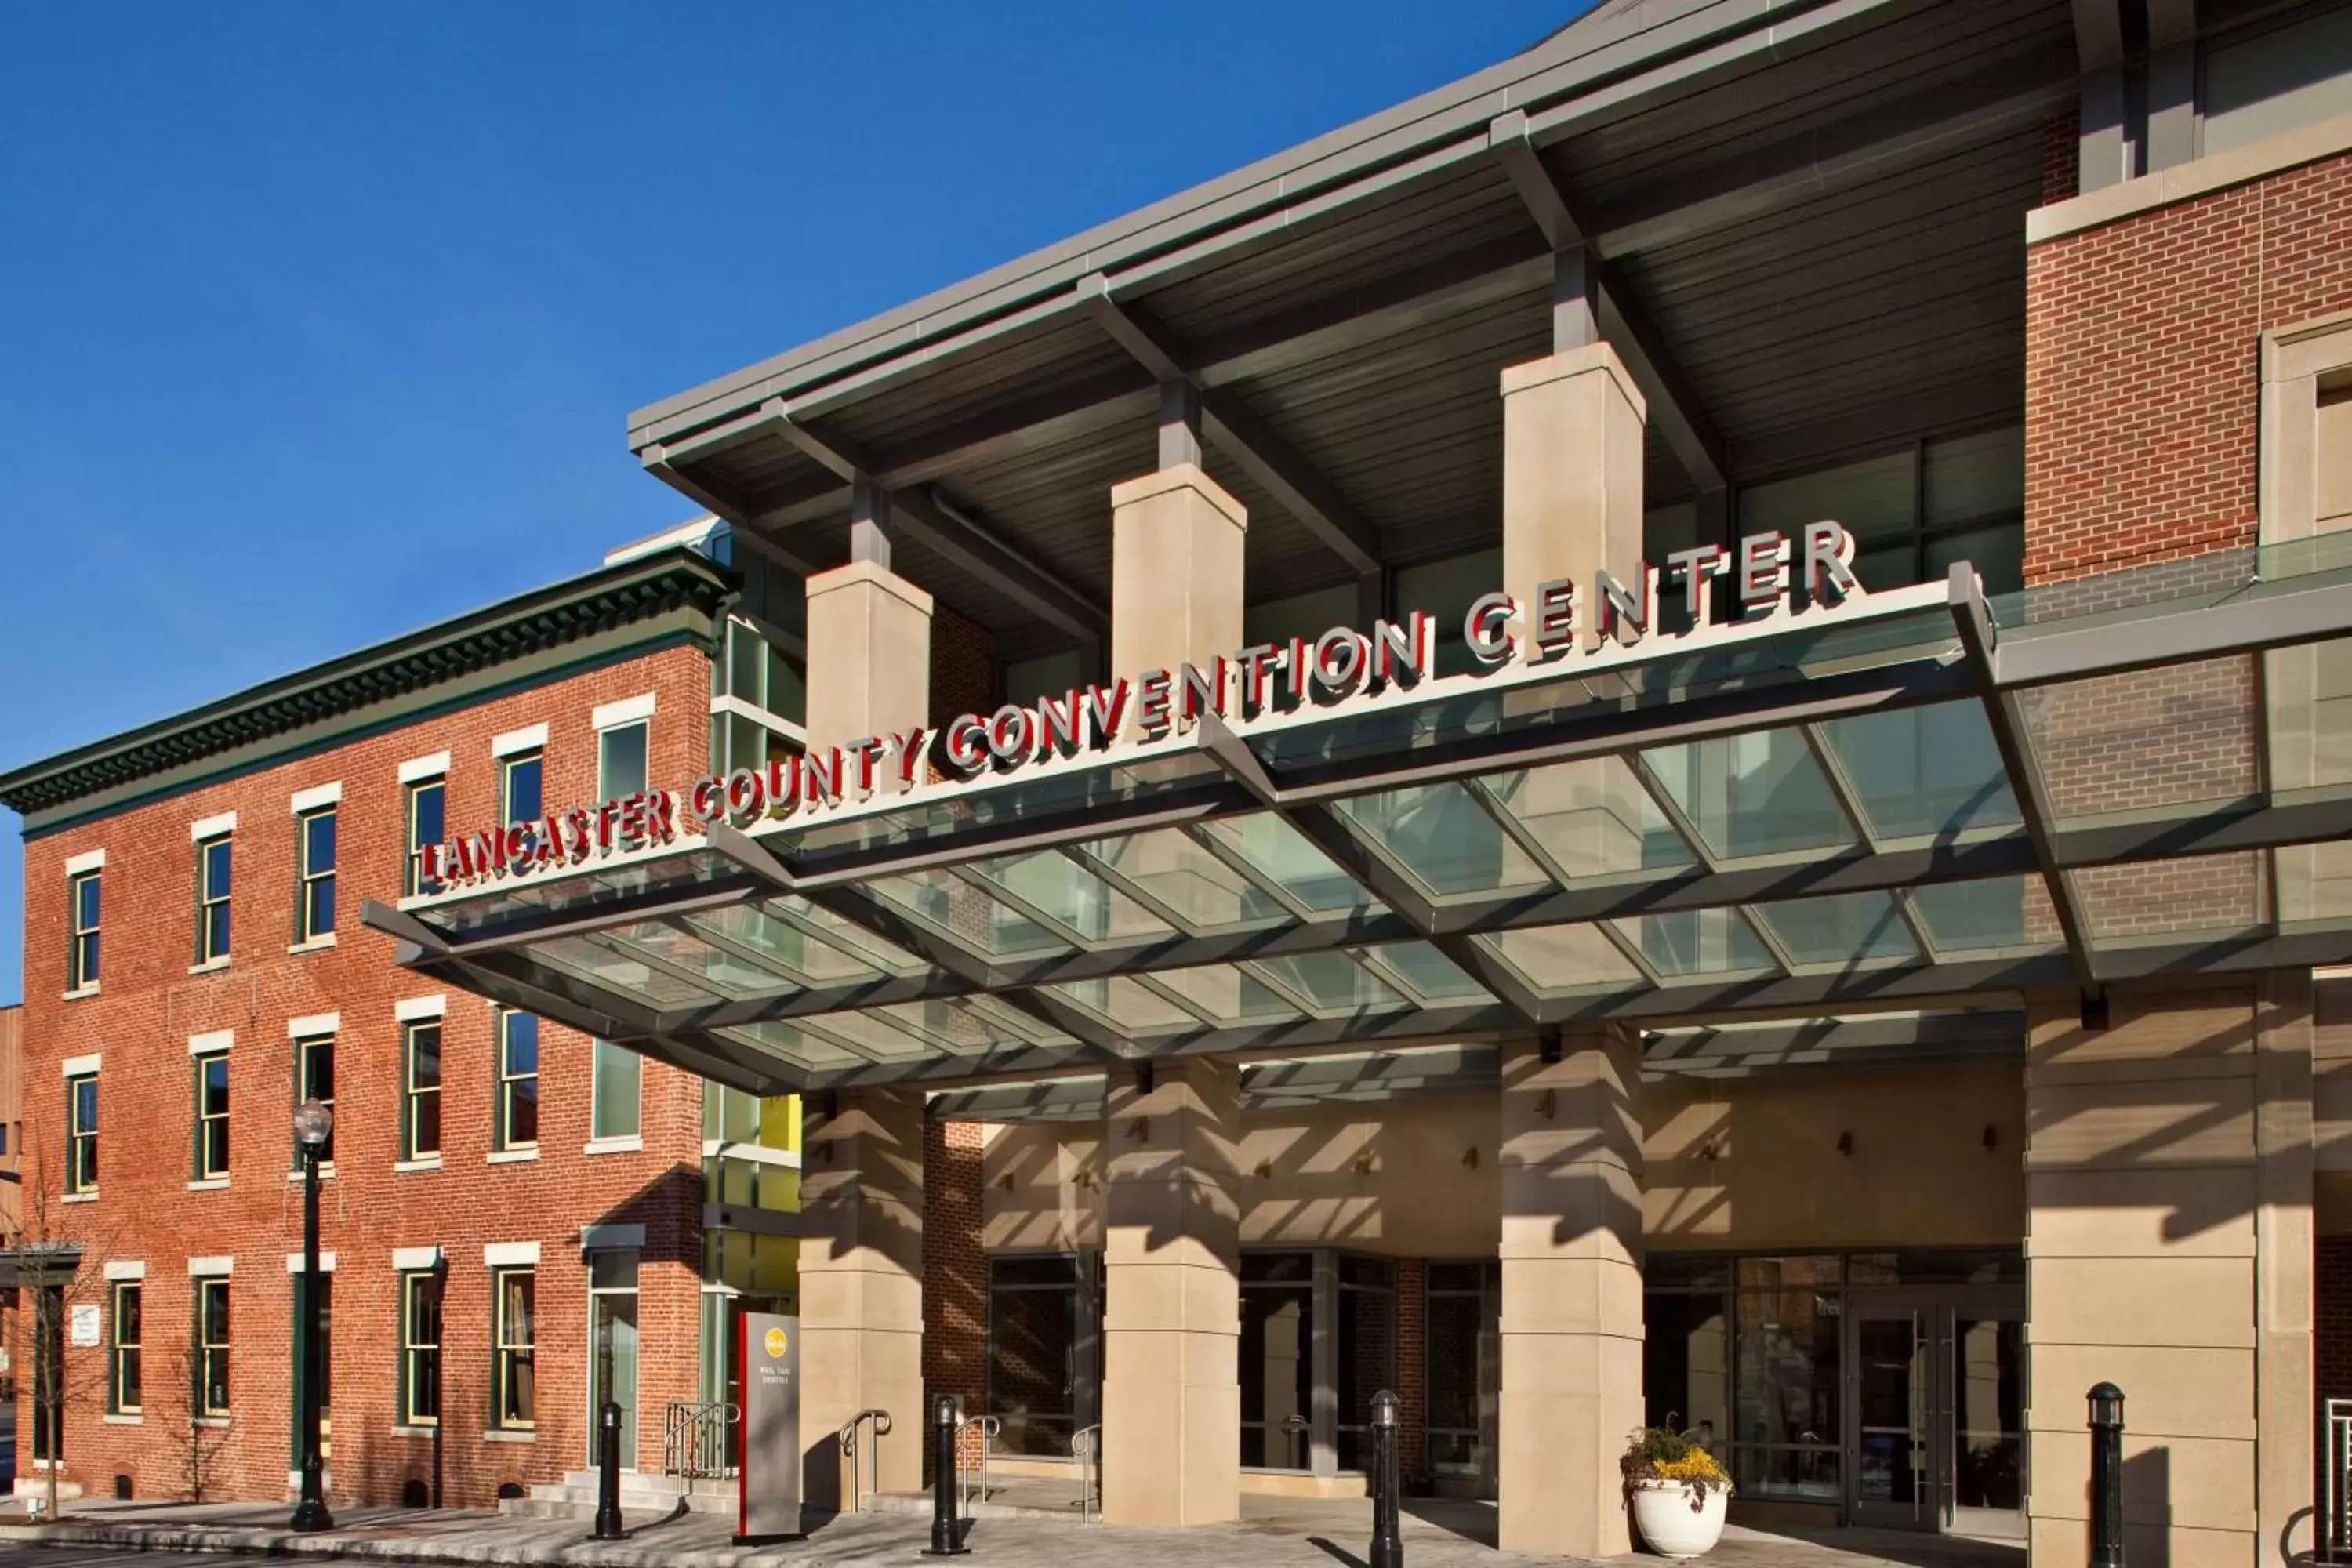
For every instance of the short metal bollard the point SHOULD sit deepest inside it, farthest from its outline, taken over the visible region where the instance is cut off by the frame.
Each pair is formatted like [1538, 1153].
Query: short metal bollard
[608, 1472]
[943, 1480]
[1387, 1549]
[2106, 1476]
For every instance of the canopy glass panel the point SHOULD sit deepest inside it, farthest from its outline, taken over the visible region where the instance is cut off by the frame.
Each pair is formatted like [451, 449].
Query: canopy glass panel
[1443, 839]
[1924, 772]
[1753, 795]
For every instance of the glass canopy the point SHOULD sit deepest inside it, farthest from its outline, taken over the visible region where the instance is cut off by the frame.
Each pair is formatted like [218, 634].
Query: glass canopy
[1933, 799]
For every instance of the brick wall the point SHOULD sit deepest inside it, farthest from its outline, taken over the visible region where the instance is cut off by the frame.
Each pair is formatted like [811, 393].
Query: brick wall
[1412, 1366]
[2061, 155]
[955, 1270]
[2332, 1319]
[148, 1006]
[2142, 349]
[963, 667]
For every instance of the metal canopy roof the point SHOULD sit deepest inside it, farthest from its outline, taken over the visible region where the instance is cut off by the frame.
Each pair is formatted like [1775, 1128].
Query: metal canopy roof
[1812, 815]
[1809, 217]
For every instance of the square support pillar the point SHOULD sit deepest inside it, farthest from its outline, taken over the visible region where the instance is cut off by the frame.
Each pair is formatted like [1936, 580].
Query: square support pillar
[861, 1275]
[2168, 1251]
[1176, 571]
[1571, 1173]
[1171, 1319]
[1572, 430]
[869, 639]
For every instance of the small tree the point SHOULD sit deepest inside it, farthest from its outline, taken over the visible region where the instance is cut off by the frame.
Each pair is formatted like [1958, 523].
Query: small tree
[52, 1283]
[204, 1438]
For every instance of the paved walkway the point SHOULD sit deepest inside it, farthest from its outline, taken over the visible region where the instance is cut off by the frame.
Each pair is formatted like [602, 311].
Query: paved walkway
[1275, 1532]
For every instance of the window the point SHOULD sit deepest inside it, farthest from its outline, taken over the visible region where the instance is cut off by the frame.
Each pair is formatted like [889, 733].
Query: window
[211, 1347]
[2334, 449]
[1915, 512]
[81, 1133]
[420, 1348]
[613, 1094]
[212, 1116]
[122, 1384]
[420, 1098]
[212, 898]
[1277, 1368]
[515, 1292]
[1045, 1328]
[314, 914]
[519, 785]
[81, 953]
[517, 1107]
[314, 1078]
[426, 801]
[621, 761]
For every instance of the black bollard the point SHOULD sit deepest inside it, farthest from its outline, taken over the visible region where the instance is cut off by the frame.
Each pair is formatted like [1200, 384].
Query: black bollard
[2106, 1476]
[608, 1472]
[1387, 1549]
[943, 1480]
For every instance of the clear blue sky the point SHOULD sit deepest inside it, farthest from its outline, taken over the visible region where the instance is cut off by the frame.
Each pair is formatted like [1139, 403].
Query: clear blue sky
[322, 323]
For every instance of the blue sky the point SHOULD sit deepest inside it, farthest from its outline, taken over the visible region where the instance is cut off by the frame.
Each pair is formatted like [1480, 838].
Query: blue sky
[322, 323]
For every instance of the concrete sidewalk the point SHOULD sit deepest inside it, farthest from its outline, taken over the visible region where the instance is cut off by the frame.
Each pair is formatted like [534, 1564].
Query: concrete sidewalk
[1289, 1534]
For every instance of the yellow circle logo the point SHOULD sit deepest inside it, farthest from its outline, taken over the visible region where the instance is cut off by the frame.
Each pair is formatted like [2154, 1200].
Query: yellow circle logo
[775, 1342]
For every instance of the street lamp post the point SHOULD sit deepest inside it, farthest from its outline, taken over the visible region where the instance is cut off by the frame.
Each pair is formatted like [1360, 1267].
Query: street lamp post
[312, 1122]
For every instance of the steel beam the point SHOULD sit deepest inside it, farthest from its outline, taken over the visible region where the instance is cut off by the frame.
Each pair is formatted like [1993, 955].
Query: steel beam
[947, 530]
[2254, 619]
[1674, 407]
[1228, 425]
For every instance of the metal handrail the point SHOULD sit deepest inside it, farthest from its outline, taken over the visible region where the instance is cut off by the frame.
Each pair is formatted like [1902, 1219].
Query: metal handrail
[879, 1429]
[694, 1438]
[1086, 1446]
[991, 1428]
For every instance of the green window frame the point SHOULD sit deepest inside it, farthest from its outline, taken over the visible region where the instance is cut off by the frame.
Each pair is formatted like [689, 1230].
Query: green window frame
[518, 1088]
[124, 1389]
[83, 896]
[624, 759]
[314, 896]
[81, 1133]
[210, 1076]
[425, 810]
[420, 1089]
[615, 1091]
[420, 1347]
[216, 863]
[522, 780]
[212, 1346]
[314, 1078]
[514, 1375]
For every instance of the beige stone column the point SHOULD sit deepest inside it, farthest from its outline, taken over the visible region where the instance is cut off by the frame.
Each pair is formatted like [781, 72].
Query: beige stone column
[1171, 1318]
[869, 637]
[1176, 571]
[1571, 1173]
[861, 1277]
[1571, 471]
[2168, 1251]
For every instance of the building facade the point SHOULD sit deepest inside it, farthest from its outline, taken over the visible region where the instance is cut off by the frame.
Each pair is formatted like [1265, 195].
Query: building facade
[1650, 741]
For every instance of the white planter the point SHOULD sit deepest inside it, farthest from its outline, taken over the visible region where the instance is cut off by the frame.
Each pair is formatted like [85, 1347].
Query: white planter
[1670, 1526]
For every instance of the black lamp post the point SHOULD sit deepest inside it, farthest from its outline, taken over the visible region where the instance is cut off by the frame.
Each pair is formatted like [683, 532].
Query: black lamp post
[312, 1122]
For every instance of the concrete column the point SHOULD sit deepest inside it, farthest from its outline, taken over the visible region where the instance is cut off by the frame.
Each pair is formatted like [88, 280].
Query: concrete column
[1571, 1173]
[2168, 1250]
[1172, 1319]
[869, 637]
[1176, 571]
[861, 1277]
[1571, 471]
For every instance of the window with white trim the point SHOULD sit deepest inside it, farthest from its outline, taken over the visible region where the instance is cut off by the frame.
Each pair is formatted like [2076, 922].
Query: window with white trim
[214, 857]
[621, 765]
[81, 1133]
[515, 1295]
[211, 1138]
[420, 1089]
[123, 1390]
[314, 849]
[517, 1091]
[212, 1346]
[615, 1084]
[520, 778]
[82, 898]
[424, 807]
[420, 1347]
[314, 1078]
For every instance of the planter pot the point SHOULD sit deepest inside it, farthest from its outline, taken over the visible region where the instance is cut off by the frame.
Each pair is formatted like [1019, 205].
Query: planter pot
[1670, 1526]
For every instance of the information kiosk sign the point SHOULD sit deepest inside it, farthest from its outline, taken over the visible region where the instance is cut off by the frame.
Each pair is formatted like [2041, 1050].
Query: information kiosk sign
[769, 1480]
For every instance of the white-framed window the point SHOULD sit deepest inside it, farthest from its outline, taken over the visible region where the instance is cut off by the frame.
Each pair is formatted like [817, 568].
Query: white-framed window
[424, 807]
[124, 1390]
[521, 780]
[514, 1294]
[214, 858]
[314, 1078]
[210, 1073]
[314, 869]
[212, 1345]
[81, 1133]
[82, 903]
[518, 1087]
[420, 1347]
[621, 760]
[420, 1089]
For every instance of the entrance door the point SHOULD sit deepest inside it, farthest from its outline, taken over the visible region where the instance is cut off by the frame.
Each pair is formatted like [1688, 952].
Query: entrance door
[1934, 1437]
[613, 1346]
[1461, 1346]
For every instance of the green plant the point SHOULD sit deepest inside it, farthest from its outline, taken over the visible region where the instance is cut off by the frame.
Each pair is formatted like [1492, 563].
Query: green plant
[1661, 1454]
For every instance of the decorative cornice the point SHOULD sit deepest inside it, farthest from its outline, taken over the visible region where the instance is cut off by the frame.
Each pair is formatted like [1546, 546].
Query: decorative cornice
[599, 602]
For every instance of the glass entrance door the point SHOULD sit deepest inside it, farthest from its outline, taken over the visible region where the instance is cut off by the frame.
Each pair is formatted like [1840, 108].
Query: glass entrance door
[1935, 1437]
[613, 1346]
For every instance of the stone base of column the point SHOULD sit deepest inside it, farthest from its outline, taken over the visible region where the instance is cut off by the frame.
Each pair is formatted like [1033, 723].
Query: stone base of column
[1172, 1322]
[1571, 1328]
[862, 1292]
